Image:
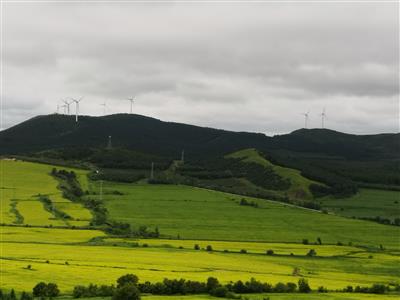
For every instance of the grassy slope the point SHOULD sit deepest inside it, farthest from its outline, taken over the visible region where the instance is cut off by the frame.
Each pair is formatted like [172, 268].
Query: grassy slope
[23, 181]
[195, 213]
[298, 182]
[367, 203]
[206, 214]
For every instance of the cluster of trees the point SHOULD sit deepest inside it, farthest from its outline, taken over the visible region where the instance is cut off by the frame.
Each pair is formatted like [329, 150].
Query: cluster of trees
[381, 220]
[12, 296]
[127, 176]
[218, 168]
[48, 205]
[129, 284]
[45, 290]
[69, 184]
[374, 289]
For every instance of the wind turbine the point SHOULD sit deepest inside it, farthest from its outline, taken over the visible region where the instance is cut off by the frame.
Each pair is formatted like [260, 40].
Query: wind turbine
[67, 104]
[104, 107]
[76, 107]
[65, 109]
[306, 117]
[323, 116]
[131, 100]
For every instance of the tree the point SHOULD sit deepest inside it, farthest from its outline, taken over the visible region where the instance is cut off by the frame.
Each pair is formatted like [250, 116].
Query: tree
[52, 290]
[312, 252]
[303, 286]
[128, 291]
[209, 248]
[219, 291]
[25, 296]
[12, 295]
[305, 241]
[39, 290]
[127, 279]
[196, 247]
[270, 252]
[319, 241]
[212, 283]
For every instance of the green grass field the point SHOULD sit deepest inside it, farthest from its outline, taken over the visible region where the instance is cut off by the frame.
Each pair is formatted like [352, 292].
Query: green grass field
[299, 184]
[367, 203]
[194, 213]
[70, 257]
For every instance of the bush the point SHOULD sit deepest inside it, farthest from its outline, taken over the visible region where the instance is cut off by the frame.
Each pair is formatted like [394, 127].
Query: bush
[220, 291]
[312, 253]
[270, 252]
[128, 291]
[212, 283]
[209, 248]
[303, 286]
[196, 247]
[127, 279]
[244, 251]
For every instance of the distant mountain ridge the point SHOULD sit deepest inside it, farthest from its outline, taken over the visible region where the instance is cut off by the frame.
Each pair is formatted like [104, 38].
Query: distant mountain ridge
[157, 137]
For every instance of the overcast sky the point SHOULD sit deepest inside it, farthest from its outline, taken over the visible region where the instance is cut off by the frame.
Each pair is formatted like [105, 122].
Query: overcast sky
[237, 66]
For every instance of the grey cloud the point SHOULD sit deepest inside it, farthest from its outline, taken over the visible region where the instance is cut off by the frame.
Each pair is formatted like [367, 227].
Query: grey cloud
[246, 65]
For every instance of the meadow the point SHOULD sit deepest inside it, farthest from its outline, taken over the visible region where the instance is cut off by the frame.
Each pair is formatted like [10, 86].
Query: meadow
[195, 213]
[71, 257]
[366, 203]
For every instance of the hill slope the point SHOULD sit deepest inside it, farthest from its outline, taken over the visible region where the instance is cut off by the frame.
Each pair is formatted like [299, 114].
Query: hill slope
[168, 138]
[320, 154]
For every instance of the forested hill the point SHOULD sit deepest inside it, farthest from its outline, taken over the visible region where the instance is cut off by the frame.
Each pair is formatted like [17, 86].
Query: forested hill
[168, 139]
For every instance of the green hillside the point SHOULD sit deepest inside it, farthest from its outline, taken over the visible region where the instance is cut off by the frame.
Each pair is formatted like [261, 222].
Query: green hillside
[299, 185]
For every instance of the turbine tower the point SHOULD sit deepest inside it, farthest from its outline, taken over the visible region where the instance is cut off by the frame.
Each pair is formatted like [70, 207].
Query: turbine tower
[131, 100]
[323, 116]
[65, 108]
[76, 107]
[67, 104]
[306, 117]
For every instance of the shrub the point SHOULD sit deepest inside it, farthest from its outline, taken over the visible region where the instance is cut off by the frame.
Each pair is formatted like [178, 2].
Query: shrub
[305, 241]
[127, 279]
[196, 247]
[270, 252]
[212, 283]
[311, 253]
[220, 291]
[128, 291]
[209, 248]
[303, 286]
[244, 251]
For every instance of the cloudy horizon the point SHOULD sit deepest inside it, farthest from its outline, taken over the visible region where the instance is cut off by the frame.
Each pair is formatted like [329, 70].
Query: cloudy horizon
[236, 66]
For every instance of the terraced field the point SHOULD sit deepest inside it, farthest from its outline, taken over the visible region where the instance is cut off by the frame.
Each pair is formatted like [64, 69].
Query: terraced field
[22, 182]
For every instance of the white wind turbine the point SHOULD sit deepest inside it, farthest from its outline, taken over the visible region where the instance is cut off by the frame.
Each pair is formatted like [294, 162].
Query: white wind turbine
[131, 100]
[306, 118]
[67, 104]
[323, 116]
[76, 107]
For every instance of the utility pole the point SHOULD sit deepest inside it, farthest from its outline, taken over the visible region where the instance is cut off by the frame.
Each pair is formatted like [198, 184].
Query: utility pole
[152, 171]
[101, 190]
[183, 156]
